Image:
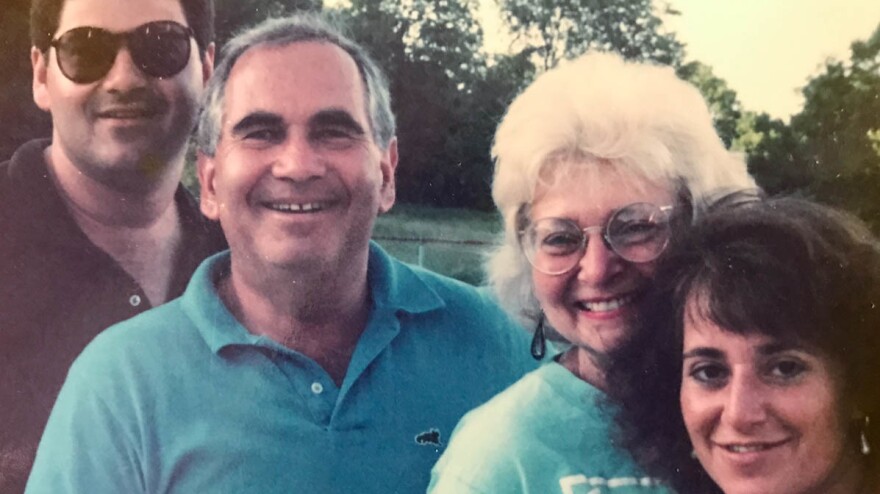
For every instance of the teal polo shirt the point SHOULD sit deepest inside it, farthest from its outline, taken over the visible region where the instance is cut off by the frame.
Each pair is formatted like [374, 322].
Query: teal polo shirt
[183, 399]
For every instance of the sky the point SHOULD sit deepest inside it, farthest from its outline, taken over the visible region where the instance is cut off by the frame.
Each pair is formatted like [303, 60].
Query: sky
[766, 50]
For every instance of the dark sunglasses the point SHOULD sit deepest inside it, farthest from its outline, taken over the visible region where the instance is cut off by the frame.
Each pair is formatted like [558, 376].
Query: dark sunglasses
[86, 54]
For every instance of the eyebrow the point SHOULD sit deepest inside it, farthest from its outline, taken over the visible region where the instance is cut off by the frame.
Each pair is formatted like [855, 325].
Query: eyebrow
[766, 349]
[337, 118]
[704, 352]
[257, 119]
[778, 347]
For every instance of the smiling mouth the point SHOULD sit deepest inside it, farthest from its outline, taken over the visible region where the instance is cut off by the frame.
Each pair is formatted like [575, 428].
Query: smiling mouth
[751, 447]
[128, 113]
[288, 207]
[606, 305]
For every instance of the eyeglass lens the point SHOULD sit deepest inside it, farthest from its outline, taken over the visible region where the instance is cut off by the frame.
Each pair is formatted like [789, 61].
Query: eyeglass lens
[160, 49]
[637, 233]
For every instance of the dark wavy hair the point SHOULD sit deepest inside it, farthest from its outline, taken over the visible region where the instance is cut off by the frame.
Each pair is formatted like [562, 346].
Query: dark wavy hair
[785, 267]
[46, 15]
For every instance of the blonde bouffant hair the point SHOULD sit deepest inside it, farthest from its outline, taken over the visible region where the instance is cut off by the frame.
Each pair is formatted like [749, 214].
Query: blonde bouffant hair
[600, 111]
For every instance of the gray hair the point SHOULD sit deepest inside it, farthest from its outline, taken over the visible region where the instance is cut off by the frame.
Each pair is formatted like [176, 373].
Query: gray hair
[598, 111]
[284, 31]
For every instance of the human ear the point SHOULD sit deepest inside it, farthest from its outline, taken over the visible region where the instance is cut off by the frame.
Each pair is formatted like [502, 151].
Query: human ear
[40, 66]
[206, 166]
[388, 165]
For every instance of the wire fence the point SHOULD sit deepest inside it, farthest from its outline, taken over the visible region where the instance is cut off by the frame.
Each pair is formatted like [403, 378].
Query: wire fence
[458, 258]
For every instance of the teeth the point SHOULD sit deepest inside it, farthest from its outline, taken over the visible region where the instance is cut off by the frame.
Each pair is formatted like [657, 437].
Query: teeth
[735, 448]
[607, 305]
[307, 207]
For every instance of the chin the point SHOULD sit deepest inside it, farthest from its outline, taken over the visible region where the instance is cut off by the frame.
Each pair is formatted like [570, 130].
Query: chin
[753, 486]
[602, 337]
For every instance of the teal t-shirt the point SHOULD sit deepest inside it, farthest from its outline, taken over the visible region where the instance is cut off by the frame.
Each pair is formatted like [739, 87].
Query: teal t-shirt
[543, 435]
[183, 399]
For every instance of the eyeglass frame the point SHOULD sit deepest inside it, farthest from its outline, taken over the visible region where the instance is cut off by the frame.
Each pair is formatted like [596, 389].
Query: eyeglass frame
[525, 223]
[122, 39]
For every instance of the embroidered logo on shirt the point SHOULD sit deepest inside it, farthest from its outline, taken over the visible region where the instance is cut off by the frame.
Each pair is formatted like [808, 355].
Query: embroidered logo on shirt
[430, 437]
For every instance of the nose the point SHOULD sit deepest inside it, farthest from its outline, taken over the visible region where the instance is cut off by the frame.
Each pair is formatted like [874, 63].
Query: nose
[297, 160]
[124, 75]
[599, 263]
[746, 403]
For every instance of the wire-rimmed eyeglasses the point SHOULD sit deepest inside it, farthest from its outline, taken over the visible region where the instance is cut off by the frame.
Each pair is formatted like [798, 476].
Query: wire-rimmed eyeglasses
[638, 233]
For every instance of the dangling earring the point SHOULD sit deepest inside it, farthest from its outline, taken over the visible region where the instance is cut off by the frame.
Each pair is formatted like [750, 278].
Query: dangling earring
[539, 342]
[863, 438]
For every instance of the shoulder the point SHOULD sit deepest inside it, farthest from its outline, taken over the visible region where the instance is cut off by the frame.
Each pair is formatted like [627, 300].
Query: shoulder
[20, 173]
[495, 445]
[160, 338]
[498, 428]
[436, 299]
[534, 438]
[456, 299]
[457, 294]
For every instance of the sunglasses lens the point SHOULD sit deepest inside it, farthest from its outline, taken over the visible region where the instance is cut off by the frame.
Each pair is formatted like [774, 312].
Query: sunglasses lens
[160, 49]
[639, 232]
[85, 54]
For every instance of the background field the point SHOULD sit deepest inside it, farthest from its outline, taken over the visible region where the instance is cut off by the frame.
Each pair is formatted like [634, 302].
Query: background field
[446, 240]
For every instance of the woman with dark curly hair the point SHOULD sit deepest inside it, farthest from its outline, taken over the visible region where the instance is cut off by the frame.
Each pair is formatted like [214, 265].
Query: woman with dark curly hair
[756, 367]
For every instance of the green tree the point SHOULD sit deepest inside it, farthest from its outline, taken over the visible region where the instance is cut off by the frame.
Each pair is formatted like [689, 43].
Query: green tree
[839, 126]
[233, 15]
[722, 101]
[776, 155]
[556, 29]
[431, 51]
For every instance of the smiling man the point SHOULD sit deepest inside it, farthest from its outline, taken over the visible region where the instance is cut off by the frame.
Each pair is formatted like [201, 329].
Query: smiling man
[305, 359]
[95, 226]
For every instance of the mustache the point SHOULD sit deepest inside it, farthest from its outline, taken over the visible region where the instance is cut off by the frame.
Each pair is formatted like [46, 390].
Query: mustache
[141, 99]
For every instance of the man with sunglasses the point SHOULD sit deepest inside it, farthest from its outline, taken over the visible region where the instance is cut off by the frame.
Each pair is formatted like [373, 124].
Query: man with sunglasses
[95, 226]
[306, 359]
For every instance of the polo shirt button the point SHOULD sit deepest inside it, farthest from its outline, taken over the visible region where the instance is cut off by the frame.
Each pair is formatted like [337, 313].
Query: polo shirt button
[134, 300]
[317, 388]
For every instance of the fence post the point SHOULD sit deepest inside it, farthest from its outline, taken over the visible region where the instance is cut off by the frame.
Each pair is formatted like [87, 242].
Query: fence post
[421, 255]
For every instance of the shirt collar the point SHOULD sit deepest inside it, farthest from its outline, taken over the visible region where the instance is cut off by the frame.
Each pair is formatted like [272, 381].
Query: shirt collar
[397, 287]
[394, 288]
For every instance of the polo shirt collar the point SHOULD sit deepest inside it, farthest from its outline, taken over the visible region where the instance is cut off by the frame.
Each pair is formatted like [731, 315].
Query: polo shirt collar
[395, 288]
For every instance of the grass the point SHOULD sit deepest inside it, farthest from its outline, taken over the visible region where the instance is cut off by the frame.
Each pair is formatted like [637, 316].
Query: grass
[437, 232]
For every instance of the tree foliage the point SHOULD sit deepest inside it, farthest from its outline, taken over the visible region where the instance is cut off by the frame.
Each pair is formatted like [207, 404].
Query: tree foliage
[831, 149]
[840, 124]
[775, 154]
[722, 101]
[449, 95]
[233, 15]
[431, 51]
[556, 29]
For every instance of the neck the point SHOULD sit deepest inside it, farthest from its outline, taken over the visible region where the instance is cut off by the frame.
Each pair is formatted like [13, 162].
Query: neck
[586, 364]
[317, 314]
[138, 227]
[104, 203]
[853, 476]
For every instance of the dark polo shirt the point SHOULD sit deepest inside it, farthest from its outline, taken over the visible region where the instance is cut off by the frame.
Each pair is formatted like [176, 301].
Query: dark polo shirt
[58, 290]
